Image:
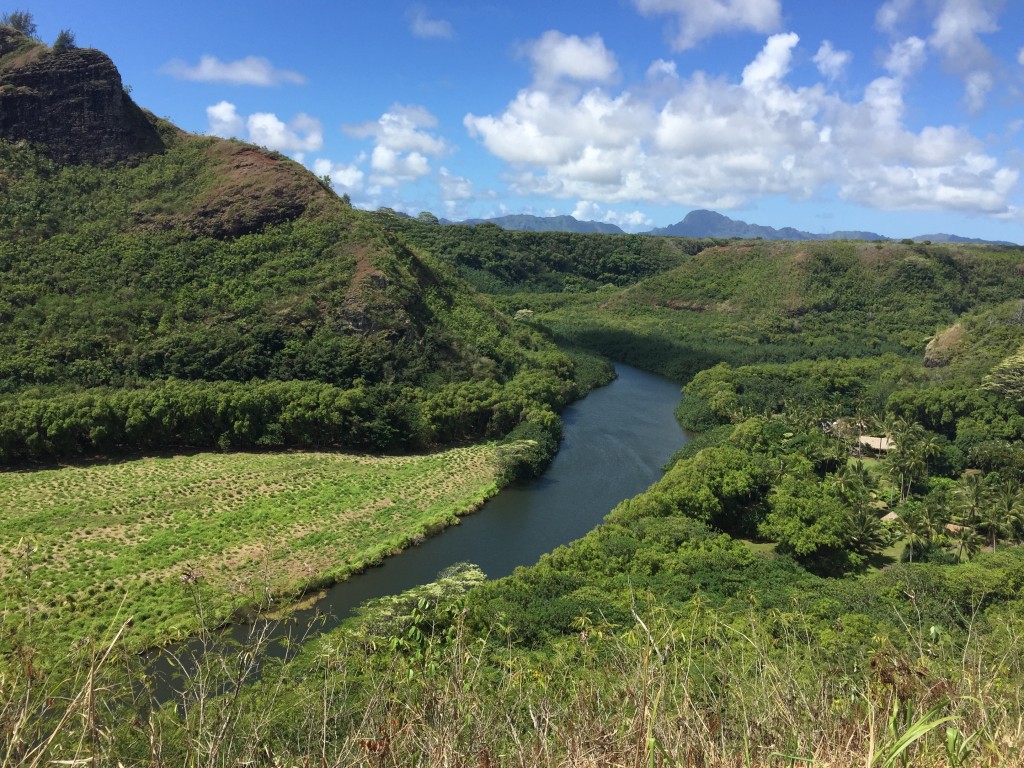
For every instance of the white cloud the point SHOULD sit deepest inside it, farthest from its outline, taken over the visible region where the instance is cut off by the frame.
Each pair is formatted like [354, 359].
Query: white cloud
[426, 28]
[454, 187]
[225, 120]
[772, 63]
[402, 145]
[663, 68]
[957, 28]
[348, 178]
[891, 14]
[401, 129]
[831, 63]
[977, 86]
[555, 56]
[252, 70]
[302, 134]
[1020, 57]
[542, 128]
[906, 57]
[701, 19]
[632, 221]
[714, 142]
[956, 34]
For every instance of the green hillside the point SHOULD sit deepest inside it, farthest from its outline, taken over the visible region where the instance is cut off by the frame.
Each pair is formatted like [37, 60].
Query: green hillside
[753, 301]
[197, 296]
[501, 261]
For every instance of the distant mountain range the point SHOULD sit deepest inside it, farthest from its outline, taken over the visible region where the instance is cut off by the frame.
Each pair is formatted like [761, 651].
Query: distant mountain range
[703, 223]
[711, 224]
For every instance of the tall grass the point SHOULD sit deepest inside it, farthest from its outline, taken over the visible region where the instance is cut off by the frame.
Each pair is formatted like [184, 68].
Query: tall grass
[695, 687]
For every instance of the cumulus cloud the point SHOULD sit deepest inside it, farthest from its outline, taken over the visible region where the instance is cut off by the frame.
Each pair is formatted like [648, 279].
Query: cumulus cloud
[830, 62]
[556, 56]
[426, 28]
[956, 34]
[454, 187]
[402, 144]
[701, 19]
[957, 29]
[977, 86]
[1020, 57]
[632, 221]
[663, 68]
[716, 142]
[224, 120]
[300, 135]
[891, 14]
[346, 177]
[906, 57]
[252, 70]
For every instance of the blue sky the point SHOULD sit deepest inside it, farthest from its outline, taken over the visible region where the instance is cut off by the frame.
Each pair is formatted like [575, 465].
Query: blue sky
[904, 117]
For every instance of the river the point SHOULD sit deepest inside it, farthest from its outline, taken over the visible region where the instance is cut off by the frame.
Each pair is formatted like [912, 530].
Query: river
[615, 442]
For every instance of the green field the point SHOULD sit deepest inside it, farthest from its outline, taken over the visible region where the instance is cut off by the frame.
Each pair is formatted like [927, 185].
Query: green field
[89, 545]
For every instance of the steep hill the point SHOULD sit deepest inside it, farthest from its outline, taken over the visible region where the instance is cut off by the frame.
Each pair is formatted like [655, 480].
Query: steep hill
[186, 290]
[70, 104]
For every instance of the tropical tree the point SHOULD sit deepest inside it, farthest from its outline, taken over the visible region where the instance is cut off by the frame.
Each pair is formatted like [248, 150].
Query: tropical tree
[970, 499]
[912, 447]
[866, 535]
[967, 541]
[1001, 514]
[921, 525]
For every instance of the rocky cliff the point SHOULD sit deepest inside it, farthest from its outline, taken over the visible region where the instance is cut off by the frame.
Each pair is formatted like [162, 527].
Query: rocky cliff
[71, 102]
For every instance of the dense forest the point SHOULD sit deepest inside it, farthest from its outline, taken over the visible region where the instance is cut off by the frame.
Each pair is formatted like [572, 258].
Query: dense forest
[829, 573]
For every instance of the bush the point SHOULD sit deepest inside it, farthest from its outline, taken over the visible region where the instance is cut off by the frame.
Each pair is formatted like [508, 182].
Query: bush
[65, 41]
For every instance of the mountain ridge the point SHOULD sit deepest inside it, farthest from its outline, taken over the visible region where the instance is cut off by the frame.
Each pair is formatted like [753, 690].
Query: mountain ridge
[702, 223]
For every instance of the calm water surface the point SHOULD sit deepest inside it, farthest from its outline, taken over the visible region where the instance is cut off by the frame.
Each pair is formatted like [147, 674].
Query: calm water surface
[615, 442]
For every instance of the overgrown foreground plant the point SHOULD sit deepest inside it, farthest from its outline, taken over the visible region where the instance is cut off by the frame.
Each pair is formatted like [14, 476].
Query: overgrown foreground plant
[409, 683]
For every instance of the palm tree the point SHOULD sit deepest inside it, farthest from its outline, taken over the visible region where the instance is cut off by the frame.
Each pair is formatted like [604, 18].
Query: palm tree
[865, 533]
[918, 527]
[912, 446]
[967, 540]
[1002, 513]
[970, 499]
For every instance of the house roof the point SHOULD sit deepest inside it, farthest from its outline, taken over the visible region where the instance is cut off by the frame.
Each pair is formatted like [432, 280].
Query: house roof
[881, 444]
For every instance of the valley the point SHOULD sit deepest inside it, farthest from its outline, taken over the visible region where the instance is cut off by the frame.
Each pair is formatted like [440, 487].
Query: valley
[224, 389]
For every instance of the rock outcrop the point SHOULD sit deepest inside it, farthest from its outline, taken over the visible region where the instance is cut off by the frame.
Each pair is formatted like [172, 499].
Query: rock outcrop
[70, 102]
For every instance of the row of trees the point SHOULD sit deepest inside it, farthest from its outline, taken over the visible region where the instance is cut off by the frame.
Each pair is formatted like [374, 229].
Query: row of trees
[278, 414]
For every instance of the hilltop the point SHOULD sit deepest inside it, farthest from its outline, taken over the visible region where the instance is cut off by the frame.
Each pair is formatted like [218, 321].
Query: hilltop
[71, 104]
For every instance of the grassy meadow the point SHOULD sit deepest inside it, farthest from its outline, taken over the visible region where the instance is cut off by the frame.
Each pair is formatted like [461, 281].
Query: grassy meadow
[85, 546]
